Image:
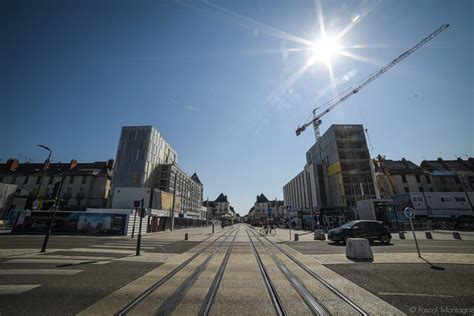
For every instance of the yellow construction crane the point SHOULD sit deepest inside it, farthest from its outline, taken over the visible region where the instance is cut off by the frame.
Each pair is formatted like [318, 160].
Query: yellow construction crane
[316, 120]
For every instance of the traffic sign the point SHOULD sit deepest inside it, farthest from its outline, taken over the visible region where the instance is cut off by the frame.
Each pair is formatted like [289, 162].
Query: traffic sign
[35, 204]
[136, 204]
[288, 207]
[409, 212]
[269, 210]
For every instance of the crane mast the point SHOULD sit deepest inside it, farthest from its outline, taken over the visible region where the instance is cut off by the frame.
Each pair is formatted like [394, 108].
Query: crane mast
[316, 120]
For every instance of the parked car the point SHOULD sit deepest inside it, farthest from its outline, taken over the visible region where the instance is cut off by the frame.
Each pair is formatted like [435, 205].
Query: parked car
[371, 230]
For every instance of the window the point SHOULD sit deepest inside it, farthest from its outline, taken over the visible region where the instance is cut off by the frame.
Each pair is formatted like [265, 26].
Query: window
[38, 179]
[420, 189]
[456, 179]
[404, 178]
[428, 179]
[406, 190]
[68, 191]
[84, 180]
[50, 181]
[417, 178]
[460, 199]
[26, 180]
[1, 179]
[431, 190]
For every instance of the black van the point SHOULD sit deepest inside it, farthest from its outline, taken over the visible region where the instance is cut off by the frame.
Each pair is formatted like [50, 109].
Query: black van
[371, 230]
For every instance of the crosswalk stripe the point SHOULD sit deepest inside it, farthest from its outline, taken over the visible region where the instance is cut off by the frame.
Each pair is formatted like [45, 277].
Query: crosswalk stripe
[55, 261]
[123, 247]
[16, 289]
[134, 243]
[39, 271]
[118, 251]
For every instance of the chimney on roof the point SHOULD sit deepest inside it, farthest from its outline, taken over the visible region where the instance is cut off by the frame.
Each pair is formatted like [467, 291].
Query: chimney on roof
[110, 164]
[440, 159]
[460, 159]
[73, 164]
[12, 164]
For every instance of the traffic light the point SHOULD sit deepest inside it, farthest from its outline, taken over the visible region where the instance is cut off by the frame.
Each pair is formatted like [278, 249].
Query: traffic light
[136, 204]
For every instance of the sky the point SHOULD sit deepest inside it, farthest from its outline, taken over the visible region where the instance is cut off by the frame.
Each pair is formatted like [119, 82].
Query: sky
[228, 82]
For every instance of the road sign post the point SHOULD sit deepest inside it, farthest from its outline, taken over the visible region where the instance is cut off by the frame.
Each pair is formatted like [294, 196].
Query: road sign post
[139, 239]
[288, 210]
[410, 213]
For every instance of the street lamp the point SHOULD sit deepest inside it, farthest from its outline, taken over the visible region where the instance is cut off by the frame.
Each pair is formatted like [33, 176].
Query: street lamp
[46, 165]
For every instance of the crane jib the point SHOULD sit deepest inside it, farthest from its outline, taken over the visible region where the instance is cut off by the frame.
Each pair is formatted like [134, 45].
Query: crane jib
[371, 78]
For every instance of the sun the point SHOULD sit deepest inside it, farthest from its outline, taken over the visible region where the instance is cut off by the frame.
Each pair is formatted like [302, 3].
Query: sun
[325, 50]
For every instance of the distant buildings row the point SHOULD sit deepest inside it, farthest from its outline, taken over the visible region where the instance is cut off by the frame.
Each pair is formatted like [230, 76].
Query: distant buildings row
[339, 174]
[146, 167]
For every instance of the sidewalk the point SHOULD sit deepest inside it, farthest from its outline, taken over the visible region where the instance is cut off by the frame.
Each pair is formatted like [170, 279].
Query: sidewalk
[194, 233]
[303, 235]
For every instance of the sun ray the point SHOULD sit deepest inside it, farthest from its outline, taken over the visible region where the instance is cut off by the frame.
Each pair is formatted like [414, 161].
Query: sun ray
[245, 21]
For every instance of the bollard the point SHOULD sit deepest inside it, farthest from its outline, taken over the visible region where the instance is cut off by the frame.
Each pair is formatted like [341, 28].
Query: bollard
[213, 227]
[401, 235]
[296, 237]
[456, 235]
[428, 235]
[186, 236]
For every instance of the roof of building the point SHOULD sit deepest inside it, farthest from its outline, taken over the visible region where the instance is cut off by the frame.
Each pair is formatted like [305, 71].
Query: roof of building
[459, 165]
[222, 198]
[14, 168]
[196, 178]
[396, 166]
[262, 198]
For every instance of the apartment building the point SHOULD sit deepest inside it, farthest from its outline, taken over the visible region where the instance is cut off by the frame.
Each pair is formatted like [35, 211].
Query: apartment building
[220, 208]
[85, 185]
[189, 189]
[451, 175]
[401, 176]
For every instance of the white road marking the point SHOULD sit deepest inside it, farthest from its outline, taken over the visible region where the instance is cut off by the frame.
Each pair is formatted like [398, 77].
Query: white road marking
[417, 294]
[122, 247]
[39, 271]
[118, 251]
[54, 261]
[16, 289]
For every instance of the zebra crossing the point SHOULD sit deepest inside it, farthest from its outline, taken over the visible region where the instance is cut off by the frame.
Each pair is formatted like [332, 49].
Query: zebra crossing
[66, 262]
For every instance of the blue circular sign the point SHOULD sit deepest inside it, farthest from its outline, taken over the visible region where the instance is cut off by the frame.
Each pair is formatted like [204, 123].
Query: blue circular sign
[409, 212]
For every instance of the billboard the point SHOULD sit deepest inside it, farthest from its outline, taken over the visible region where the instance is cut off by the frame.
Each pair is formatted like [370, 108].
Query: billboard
[75, 222]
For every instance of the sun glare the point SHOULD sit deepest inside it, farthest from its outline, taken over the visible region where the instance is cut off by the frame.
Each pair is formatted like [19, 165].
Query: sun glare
[325, 50]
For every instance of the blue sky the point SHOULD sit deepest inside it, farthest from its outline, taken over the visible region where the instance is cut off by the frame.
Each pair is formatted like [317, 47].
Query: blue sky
[216, 79]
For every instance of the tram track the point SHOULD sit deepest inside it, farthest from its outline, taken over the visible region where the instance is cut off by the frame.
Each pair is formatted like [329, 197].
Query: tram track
[359, 310]
[137, 300]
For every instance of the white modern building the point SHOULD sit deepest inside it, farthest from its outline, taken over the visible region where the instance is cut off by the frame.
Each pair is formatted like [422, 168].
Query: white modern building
[140, 150]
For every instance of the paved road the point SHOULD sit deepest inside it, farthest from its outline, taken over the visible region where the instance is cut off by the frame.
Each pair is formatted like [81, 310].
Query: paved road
[415, 288]
[100, 275]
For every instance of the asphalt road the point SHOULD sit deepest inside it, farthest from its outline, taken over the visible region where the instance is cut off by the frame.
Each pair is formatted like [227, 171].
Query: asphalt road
[68, 242]
[415, 288]
[66, 294]
[60, 292]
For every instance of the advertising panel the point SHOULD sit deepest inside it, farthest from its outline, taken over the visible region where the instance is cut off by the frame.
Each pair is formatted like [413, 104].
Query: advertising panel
[75, 222]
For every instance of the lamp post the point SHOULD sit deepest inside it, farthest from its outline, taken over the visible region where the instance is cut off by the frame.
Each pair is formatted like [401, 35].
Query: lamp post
[52, 216]
[46, 165]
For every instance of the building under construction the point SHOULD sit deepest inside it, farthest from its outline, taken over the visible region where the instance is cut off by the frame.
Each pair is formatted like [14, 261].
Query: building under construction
[338, 173]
